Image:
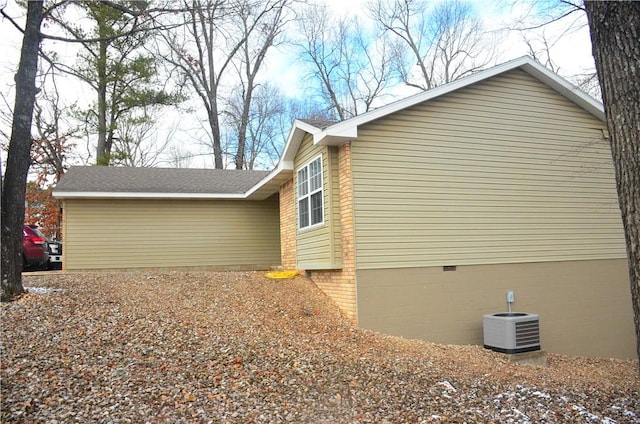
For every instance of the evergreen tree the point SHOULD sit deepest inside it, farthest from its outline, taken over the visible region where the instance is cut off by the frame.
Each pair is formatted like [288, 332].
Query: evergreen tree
[115, 64]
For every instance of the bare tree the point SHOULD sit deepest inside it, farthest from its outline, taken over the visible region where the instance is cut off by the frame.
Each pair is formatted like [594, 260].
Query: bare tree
[211, 41]
[138, 144]
[197, 50]
[588, 82]
[176, 157]
[258, 40]
[352, 67]
[14, 183]
[435, 45]
[264, 141]
[53, 143]
[540, 49]
[534, 29]
[615, 38]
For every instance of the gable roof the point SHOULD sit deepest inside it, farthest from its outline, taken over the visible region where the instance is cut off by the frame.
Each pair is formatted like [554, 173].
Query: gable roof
[128, 182]
[347, 130]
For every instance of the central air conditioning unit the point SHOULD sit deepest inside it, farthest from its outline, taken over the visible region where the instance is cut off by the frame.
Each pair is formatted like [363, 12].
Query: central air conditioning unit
[511, 332]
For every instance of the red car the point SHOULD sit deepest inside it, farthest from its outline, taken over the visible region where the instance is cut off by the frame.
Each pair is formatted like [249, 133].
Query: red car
[35, 250]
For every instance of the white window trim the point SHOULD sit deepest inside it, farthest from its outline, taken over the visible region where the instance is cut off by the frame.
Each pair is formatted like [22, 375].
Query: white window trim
[309, 193]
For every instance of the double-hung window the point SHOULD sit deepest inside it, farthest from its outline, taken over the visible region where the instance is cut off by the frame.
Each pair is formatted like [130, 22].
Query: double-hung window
[310, 199]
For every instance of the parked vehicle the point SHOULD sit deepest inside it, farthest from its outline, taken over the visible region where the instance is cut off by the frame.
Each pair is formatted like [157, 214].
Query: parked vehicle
[55, 254]
[35, 248]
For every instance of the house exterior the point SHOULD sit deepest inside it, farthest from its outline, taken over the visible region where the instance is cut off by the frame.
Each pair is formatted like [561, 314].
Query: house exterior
[435, 206]
[418, 217]
[132, 218]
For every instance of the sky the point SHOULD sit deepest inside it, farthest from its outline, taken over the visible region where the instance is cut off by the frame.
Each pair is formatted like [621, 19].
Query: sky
[570, 52]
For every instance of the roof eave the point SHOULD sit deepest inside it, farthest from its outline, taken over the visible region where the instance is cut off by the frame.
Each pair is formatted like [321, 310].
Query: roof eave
[336, 137]
[270, 184]
[141, 195]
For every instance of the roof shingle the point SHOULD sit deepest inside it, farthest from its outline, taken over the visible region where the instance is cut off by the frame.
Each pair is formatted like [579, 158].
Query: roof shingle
[318, 123]
[107, 179]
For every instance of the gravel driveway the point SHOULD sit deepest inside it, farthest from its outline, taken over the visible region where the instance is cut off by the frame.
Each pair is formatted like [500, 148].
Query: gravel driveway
[236, 347]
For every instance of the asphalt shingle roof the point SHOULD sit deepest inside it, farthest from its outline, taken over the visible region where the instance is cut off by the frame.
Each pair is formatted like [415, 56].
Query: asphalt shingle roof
[318, 123]
[107, 179]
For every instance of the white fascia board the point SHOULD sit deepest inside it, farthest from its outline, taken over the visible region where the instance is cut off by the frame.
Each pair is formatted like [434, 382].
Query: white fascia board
[285, 165]
[349, 128]
[282, 168]
[134, 195]
[565, 88]
[296, 135]
[291, 140]
[336, 136]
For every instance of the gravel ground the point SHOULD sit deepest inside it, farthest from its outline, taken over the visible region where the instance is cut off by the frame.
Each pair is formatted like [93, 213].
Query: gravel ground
[237, 347]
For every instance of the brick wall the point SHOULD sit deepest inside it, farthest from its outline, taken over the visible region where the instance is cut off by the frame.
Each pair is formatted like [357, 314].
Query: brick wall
[340, 285]
[287, 226]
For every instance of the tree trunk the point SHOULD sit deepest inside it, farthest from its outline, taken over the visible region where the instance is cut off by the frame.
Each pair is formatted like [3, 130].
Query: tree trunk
[19, 156]
[244, 123]
[615, 37]
[215, 135]
[103, 149]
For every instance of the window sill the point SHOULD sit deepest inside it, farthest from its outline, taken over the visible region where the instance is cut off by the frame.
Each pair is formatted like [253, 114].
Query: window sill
[311, 228]
[319, 266]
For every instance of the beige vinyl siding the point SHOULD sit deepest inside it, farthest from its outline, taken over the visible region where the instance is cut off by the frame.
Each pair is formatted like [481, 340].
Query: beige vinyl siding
[502, 171]
[319, 247]
[102, 234]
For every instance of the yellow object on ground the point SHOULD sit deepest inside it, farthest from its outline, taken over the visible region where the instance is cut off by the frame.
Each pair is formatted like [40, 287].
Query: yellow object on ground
[282, 275]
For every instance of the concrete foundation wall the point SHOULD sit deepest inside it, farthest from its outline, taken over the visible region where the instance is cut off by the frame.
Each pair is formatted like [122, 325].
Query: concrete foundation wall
[584, 306]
